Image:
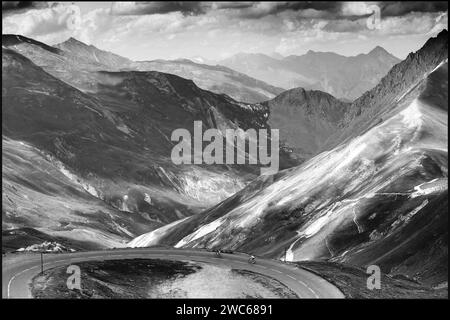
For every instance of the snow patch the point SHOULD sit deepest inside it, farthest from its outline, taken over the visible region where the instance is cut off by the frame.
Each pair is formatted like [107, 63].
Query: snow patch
[200, 233]
[46, 246]
[412, 116]
[433, 186]
[153, 237]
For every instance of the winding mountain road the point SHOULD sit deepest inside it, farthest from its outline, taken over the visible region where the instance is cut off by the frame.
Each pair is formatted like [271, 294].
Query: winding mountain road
[19, 269]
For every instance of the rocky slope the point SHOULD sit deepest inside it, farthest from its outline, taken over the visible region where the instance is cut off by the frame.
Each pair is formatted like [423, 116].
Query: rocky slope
[38, 195]
[375, 105]
[379, 196]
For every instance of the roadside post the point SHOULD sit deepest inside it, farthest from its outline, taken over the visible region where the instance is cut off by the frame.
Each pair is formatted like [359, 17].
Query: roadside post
[42, 263]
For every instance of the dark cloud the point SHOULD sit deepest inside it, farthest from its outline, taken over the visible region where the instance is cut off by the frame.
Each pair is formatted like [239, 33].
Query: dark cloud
[255, 10]
[259, 10]
[329, 6]
[232, 4]
[249, 9]
[277, 7]
[245, 9]
[332, 10]
[160, 7]
[401, 8]
[9, 7]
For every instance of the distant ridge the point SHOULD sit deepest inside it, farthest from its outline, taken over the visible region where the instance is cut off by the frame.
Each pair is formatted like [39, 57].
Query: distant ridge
[343, 77]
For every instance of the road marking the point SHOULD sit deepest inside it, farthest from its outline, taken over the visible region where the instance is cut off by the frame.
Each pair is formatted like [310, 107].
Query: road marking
[276, 270]
[16, 275]
[96, 257]
[291, 277]
[304, 284]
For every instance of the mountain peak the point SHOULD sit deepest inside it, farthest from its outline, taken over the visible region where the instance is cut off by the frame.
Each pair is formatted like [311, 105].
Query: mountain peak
[73, 41]
[92, 53]
[411, 70]
[378, 50]
[443, 33]
[439, 44]
[441, 37]
[380, 53]
[301, 94]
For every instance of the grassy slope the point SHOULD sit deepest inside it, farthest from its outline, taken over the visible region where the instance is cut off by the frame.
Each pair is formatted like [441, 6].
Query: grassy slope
[110, 279]
[352, 281]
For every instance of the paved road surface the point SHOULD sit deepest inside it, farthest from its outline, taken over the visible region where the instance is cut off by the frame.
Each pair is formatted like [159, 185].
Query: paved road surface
[19, 269]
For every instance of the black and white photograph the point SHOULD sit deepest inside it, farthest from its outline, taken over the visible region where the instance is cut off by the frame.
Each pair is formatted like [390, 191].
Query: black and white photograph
[241, 152]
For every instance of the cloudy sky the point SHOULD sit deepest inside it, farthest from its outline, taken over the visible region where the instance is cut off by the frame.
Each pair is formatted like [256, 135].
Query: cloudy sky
[216, 30]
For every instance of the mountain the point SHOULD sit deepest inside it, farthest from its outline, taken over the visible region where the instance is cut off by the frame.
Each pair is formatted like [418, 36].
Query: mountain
[104, 138]
[40, 191]
[378, 196]
[276, 55]
[91, 53]
[68, 55]
[343, 77]
[40, 196]
[77, 68]
[217, 79]
[306, 119]
[267, 69]
[374, 105]
[202, 60]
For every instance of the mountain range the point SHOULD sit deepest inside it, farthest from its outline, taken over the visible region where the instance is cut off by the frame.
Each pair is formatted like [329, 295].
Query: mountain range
[216, 78]
[364, 179]
[345, 78]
